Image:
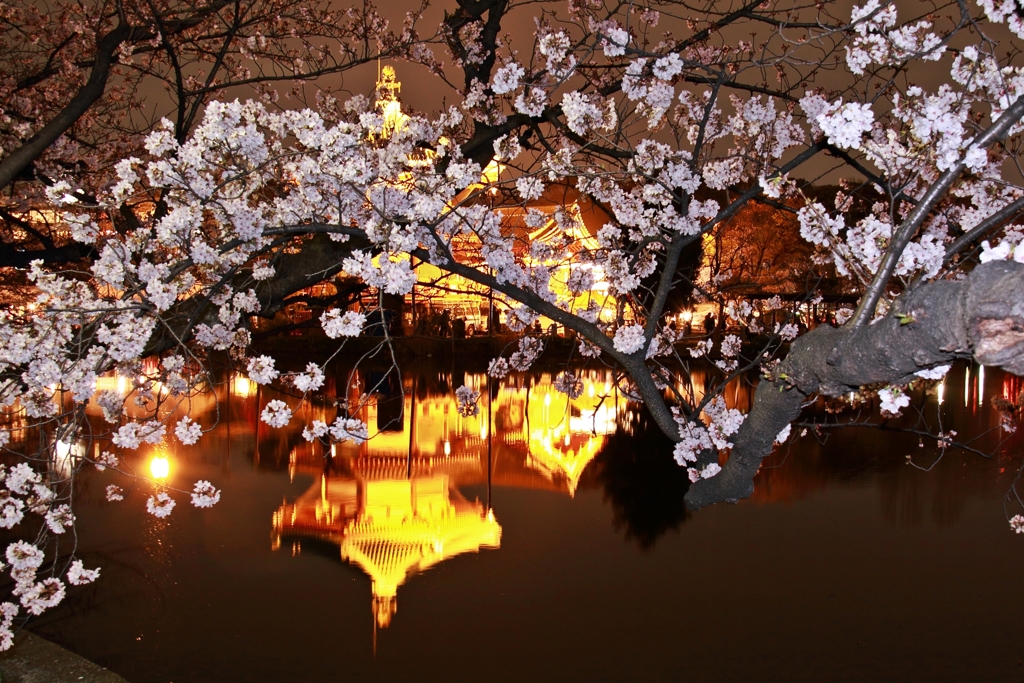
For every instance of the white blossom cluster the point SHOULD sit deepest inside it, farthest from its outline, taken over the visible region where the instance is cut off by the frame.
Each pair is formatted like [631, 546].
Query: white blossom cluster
[893, 400]
[468, 400]
[922, 135]
[696, 438]
[337, 324]
[723, 422]
[569, 384]
[160, 505]
[342, 429]
[629, 339]
[937, 372]
[878, 40]
[35, 595]
[276, 413]
[204, 495]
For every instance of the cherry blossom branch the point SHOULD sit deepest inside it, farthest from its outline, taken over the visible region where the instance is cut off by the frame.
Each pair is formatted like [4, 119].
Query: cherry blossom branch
[936, 192]
[12, 165]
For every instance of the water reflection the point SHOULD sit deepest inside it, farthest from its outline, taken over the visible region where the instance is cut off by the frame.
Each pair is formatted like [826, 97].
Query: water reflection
[160, 465]
[842, 531]
[390, 528]
[392, 505]
[645, 492]
[397, 505]
[882, 453]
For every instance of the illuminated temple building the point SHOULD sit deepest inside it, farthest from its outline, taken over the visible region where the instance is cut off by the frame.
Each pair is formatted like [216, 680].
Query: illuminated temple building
[561, 218]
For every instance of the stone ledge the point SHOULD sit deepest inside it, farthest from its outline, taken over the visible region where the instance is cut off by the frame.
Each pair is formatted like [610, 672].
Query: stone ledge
[36, 660]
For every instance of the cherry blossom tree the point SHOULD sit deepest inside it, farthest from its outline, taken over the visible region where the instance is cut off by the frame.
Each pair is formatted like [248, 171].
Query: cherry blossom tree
[670, 117]
[82, 83]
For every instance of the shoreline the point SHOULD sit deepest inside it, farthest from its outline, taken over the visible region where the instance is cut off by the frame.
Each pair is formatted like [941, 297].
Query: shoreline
[34, 659]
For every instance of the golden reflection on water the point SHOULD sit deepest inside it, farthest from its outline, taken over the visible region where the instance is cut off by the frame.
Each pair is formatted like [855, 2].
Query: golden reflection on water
[392, 505]
[160, 466]
[399, 504]
[389, 528]
[243, 386]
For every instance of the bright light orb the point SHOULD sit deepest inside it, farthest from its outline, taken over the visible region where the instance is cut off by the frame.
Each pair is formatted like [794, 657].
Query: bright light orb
[159, 467]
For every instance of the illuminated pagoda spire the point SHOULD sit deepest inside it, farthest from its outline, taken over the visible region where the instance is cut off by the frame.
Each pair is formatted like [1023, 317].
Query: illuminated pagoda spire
[387, 103]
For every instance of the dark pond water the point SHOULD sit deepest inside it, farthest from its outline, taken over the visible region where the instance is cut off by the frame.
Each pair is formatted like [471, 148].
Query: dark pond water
[553, 545]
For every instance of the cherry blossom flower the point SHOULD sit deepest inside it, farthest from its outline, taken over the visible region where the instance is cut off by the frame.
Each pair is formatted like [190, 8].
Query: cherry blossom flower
[711, 470]
[695, 439]
[204, 495]
[316, 430]
[614, 38]
[59, 519]
[468, 401]
[724, 422]
[134, 434]
[893, 400]
[337, 324]
[350, 429]
[104, 460]
[276, 413]
[731, 345]
[160, 505]
[24, 555]
[789, 332]
[78, 575]
[783, 436]
[506, 79]
[19, 477]
[261, 370]
[701, 348]
[11, 510]
[43, 595]
[529, 350]
[569, 384]
[629, 339]
[845, 125]
[938, 372]
[187, 431]
[310, 380]
[498, 368]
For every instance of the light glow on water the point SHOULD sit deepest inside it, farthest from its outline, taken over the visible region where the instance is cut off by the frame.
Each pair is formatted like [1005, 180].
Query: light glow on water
[981, 385]
[160, 467]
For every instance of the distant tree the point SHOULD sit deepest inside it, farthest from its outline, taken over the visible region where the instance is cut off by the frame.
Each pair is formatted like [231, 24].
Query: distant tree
[759, 253]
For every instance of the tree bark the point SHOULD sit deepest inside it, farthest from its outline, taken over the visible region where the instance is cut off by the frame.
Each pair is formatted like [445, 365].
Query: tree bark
[317, 260]
[980, 317]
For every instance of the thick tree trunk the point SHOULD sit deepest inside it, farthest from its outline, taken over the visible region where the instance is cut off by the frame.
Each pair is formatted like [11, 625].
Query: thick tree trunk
[981, 316]
[317, 260]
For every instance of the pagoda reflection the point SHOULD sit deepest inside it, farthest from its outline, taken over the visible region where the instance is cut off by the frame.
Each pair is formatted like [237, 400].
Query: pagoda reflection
[392, 505]
[389, 528]
[530, 434]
